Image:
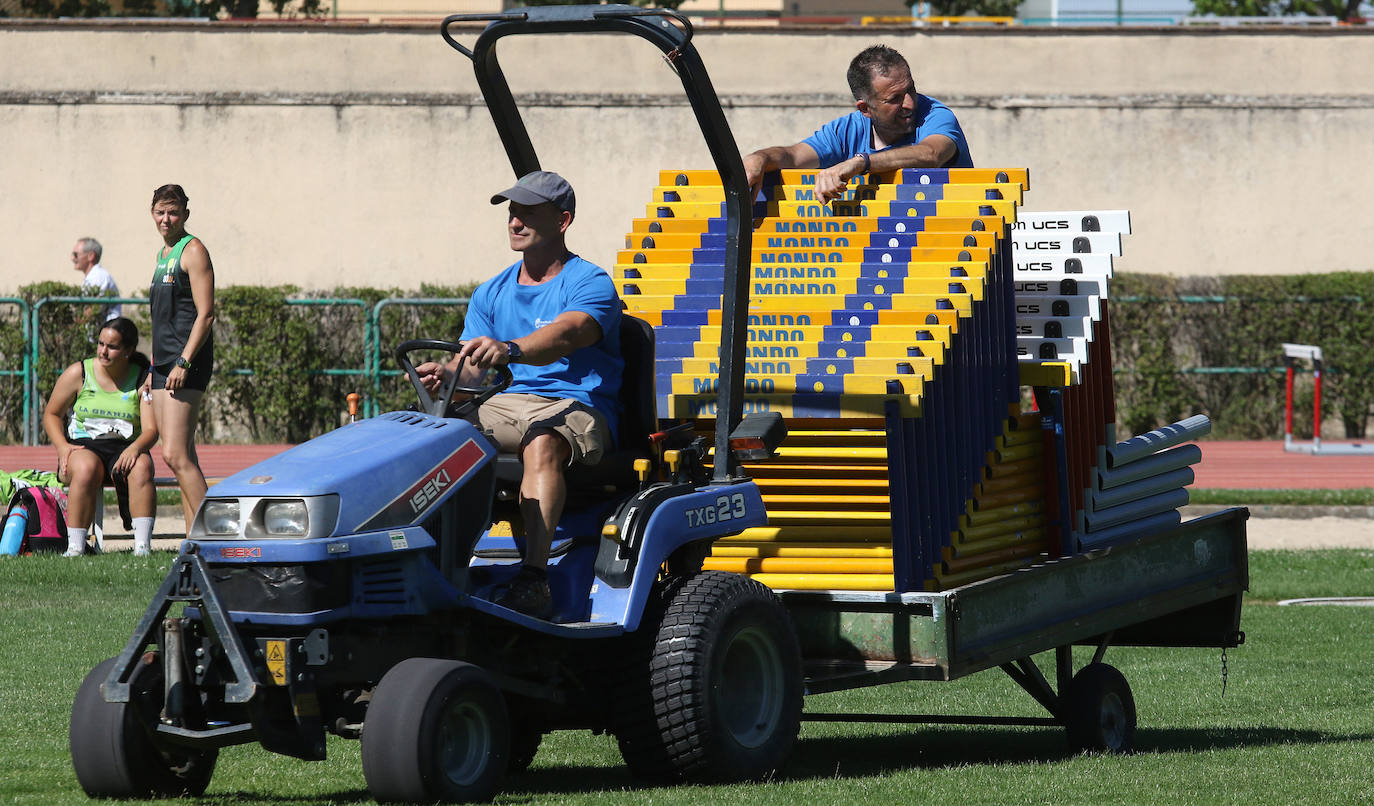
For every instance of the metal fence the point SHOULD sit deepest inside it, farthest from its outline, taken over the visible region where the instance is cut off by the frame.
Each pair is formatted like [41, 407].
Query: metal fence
[370, 372]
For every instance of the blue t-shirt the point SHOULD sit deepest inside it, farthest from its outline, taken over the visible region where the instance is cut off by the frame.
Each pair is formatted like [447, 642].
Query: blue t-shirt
[503, 309]
[852, 134]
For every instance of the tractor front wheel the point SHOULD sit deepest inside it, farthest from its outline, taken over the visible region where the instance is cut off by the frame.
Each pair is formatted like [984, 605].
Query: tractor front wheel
[435, 731]
[113, 747]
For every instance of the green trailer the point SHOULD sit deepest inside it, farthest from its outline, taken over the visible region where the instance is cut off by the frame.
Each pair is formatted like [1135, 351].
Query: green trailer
[1178, 588]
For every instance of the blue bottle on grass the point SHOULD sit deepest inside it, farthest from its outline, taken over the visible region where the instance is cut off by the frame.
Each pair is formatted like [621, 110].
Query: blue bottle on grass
[15, 525]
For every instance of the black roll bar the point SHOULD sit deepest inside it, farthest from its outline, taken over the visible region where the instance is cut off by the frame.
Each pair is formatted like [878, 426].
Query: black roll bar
[672, 33]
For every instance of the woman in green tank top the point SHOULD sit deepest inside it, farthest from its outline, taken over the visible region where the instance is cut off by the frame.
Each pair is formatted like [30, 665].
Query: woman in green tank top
[108, 437]
[182, 302]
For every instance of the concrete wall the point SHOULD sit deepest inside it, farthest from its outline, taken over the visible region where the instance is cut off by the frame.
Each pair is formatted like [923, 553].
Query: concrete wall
[327, 156]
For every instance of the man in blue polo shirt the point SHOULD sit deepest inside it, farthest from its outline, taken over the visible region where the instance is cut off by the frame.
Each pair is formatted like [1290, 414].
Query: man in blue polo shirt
[554, 319]
[893, 127]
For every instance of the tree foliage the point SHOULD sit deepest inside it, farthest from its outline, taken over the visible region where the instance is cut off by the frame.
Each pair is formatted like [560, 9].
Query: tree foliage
[1342, 9]
[971, 8]
[212, 9]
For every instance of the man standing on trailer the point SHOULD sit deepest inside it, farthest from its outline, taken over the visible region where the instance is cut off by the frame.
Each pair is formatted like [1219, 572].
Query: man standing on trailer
[893, 127]
[554, 318]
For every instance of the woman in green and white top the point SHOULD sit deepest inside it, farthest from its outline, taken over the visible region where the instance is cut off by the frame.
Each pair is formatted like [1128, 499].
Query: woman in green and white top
[108, 436]
[182, 302]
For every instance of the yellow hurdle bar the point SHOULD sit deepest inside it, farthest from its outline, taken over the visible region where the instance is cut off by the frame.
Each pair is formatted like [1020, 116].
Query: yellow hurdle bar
[947, 581]
[962, 192]
[1005, 210]
[829, 500]
[840, 491]
[843, 406]
[792, 385]
[800, 550]
[805, 315]
[827, 286]
[1009, 554]
[799, 565]
[775, 227]
[695, 177]
[981, 547]
[819, 517]
[1004, 483]
[817, 303]
[803, 256]
[797, 436]
[997, 515]
[972, 534]
[885, 365]
[1008, 498]
[803, 533]
[840, 582]
[785, 471]
[957, 176]
[872, 338]
[926, 239]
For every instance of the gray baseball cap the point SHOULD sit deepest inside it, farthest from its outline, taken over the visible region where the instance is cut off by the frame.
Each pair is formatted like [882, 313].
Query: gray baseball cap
[538, 187]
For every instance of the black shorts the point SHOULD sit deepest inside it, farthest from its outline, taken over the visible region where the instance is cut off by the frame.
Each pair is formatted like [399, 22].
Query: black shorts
[109, 450]
[197, 375]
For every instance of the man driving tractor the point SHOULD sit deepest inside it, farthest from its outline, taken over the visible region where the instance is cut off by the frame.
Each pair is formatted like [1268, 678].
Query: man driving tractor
[554, 318]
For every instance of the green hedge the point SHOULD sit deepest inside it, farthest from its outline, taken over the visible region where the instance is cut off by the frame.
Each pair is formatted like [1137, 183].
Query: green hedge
[1164, 330]
[271, 359]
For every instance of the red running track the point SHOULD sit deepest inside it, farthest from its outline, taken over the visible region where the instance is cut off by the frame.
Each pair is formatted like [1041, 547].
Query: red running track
[1231, 465]
[1267, 466]
[216, 461]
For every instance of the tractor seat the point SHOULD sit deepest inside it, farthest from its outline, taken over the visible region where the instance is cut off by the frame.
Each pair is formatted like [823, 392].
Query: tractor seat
[615, 474]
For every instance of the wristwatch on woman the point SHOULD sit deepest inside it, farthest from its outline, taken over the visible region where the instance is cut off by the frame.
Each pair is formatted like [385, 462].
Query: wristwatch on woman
[181, 362]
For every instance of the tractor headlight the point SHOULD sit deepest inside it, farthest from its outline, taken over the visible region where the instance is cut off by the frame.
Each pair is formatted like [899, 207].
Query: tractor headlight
[221, 517]
[271, 517]
[287, 518]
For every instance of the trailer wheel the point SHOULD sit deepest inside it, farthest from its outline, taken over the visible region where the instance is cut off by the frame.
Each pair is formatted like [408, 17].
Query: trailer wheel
[720, 696]
[113, 750]
[1100, 711]
[435, 731]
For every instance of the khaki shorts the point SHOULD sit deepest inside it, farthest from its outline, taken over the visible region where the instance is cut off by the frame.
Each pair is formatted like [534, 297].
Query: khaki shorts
[510, 417]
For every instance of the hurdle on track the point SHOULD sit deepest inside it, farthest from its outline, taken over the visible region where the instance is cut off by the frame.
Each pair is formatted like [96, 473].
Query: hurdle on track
[1292, 354]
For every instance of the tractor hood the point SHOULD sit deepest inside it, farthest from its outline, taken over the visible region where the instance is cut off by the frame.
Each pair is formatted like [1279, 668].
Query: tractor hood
[388, 471]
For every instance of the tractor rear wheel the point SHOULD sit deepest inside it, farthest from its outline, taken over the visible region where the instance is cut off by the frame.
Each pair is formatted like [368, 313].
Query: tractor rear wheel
[718, 693]
[435, 731]
[113, 747]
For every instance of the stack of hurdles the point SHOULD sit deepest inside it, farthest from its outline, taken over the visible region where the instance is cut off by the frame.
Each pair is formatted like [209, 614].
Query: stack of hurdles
[1115, 491]
[882, 327]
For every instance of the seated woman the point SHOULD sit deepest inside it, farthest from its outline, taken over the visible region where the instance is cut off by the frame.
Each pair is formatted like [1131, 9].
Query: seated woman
[108, 437]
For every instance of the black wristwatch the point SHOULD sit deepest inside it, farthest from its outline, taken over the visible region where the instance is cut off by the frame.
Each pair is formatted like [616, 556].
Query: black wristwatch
[514, 351]
[181, 362]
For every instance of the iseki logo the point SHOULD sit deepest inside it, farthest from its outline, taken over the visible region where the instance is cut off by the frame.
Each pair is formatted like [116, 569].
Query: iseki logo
[430, 492]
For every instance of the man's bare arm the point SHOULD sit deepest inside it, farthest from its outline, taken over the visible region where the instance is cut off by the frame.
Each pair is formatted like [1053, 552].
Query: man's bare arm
[934, 151]
[775, 158]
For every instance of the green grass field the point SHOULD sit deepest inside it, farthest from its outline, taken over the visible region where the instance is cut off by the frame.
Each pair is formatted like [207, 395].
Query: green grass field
[1294, 724]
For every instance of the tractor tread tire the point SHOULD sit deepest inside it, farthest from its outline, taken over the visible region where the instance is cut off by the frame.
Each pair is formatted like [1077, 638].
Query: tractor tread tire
[679, 716]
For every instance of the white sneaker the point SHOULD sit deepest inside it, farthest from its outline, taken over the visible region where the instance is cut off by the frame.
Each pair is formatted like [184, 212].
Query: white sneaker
[141, 551]
[73, 553]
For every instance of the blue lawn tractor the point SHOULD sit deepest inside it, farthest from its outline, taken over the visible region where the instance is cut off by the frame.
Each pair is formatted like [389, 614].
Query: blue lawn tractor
[345, 585]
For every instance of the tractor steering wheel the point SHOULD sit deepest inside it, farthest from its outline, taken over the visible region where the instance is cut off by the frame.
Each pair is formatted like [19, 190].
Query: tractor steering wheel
[438, 406]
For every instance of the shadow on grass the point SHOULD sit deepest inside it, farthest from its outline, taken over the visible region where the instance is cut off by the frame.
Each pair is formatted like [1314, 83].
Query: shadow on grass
[857, 757]
[240, 796]
[927, 749]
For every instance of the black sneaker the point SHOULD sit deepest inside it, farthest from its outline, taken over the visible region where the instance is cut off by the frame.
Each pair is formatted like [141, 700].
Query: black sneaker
[528, 593]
